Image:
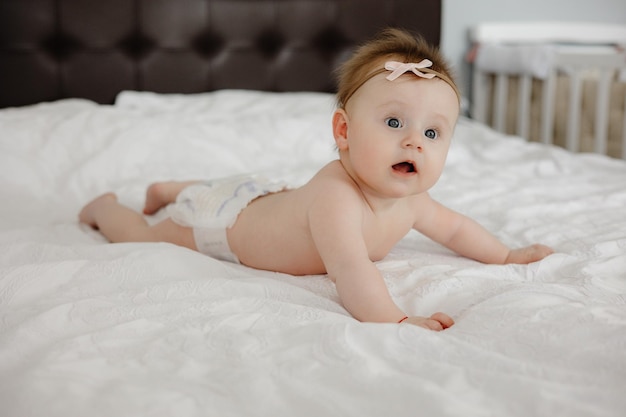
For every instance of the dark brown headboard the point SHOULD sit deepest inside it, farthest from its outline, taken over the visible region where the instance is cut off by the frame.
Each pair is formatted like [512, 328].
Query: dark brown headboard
[53, 49]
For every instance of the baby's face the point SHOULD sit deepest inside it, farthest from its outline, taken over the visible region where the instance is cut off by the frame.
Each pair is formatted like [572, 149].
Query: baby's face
[399, 133]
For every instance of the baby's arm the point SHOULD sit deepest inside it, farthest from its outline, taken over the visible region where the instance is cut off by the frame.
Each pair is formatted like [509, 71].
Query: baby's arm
[336, 229]
[467, 238]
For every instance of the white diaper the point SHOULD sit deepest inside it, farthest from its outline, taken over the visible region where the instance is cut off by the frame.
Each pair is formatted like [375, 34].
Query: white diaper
[213, 206]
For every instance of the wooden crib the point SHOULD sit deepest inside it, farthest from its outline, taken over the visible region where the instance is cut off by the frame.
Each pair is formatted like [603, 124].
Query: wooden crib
[578, 102]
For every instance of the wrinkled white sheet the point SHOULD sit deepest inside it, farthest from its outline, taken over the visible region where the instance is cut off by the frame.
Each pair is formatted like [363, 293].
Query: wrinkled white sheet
[89, 328]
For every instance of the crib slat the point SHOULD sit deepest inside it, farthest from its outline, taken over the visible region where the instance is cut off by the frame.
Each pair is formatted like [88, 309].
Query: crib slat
[523, 113]
[602, 112]
[501, 94]
[573, 112]
[624, 132]
[480, 92]
[548, 92]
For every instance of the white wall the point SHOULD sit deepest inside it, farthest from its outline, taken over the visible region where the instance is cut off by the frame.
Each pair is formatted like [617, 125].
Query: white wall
[460, 15]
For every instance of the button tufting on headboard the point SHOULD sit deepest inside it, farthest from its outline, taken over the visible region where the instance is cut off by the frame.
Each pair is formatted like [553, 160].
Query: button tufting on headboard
[52, 49]
[270, 42]
[136, 46]
[60, 45]
[208, 43]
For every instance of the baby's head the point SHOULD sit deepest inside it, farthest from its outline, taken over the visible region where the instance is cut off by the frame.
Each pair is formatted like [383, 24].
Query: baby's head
[390, 45]
[397, 109]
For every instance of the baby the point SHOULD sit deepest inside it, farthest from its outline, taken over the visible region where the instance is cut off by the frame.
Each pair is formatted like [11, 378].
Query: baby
[397, 109]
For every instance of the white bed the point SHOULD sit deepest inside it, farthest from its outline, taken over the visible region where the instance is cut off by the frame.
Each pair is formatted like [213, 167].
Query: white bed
[89, 328]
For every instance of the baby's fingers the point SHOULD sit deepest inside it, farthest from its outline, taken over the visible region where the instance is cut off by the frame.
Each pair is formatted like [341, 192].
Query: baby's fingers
[529, 254]
[436, 322]
[443, 319]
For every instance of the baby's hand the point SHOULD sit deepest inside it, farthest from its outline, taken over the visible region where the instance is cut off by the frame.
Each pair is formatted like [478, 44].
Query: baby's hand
[528, 254]
[437, 321]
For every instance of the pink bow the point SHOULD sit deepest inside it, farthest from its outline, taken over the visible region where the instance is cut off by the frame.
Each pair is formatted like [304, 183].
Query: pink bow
[400, 68]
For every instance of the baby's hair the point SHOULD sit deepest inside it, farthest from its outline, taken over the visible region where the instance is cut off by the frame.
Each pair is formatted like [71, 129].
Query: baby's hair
[389, 44]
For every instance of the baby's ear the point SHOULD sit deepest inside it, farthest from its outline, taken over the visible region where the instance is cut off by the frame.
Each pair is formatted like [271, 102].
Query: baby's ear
[340, 129]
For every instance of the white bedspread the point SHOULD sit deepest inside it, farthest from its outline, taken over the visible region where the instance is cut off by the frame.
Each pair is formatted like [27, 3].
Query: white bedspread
[94, 329]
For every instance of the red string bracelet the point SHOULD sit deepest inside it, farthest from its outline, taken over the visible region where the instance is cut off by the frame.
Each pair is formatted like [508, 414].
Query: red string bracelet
[404, 318]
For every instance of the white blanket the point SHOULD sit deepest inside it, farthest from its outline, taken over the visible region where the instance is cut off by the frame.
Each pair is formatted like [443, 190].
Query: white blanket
[89, 328]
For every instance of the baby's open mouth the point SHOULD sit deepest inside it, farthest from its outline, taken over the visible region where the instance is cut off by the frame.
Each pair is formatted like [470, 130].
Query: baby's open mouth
[404, 167]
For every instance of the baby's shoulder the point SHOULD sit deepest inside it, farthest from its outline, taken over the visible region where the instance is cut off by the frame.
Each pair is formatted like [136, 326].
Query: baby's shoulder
[331, 185]
[332, 179]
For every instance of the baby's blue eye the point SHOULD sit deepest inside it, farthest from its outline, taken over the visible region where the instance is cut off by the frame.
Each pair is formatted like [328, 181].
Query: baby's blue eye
[431, 133]
[393, 123]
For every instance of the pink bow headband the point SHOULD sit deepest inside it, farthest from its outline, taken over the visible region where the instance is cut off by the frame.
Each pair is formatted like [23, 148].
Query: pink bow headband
[421, 69]
[400, 68]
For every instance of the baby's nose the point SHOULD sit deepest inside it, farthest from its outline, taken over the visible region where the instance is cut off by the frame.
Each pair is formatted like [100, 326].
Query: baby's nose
[413, 141]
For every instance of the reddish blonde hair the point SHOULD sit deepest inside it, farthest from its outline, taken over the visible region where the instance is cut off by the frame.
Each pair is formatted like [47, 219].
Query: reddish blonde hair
[390, 44]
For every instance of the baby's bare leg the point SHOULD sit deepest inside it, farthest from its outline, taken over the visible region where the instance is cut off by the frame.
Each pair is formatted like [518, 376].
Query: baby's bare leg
[91, 212]
[160, 194]
[119, 223]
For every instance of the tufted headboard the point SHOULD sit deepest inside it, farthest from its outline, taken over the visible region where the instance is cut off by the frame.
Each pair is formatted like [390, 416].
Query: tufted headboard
[53, 49]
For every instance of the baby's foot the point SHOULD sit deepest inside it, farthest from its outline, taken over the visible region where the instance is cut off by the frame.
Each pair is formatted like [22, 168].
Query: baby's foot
[156, 198]
[88, 213]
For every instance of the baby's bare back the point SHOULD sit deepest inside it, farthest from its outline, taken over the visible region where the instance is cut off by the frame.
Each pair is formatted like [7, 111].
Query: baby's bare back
[273, 231]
